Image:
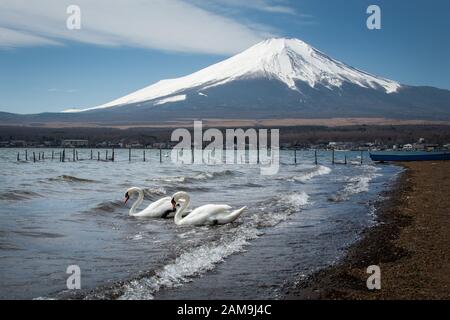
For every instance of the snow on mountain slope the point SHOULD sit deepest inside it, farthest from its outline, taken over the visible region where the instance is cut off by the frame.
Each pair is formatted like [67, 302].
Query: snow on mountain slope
[286, 60]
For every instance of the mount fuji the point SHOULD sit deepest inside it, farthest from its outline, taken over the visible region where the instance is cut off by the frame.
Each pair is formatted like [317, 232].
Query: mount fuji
[274, 79]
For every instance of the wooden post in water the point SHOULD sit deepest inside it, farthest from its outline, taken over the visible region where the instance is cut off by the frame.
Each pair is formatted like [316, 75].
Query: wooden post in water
[53, 155]
[18, 156]
[295, 156]
[106, 155]
[143, 154]
[129, 154]
[315, 157]
[113, 155]
[34, 156]
[76, 152]
[160, 155]
[332, 157]
[64, 155]
[73, 154]
[39, 156]
[361, 157]
[26, 155]
[257, 155]
[91, 154]
[43, 155]
[98, 156]
[345, 161]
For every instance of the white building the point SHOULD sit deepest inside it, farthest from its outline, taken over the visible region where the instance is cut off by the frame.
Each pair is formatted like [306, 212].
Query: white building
[407, 147]
[75, 143]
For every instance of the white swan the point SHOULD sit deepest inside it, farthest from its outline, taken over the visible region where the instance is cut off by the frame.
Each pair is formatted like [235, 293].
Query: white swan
[161, 208]
[211, 214]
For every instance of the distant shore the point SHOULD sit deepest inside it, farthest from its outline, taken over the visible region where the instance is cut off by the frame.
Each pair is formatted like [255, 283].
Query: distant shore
[229, 123]
[298, 137]
[410, 244]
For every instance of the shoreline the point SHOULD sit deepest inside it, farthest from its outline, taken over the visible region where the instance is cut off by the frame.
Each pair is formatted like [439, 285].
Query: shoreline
[410, 243]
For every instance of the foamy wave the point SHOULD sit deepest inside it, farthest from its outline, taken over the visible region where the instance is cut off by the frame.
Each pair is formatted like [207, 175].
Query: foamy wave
[296, 200]
[191, 263]
[158, 191]
[358, 184]
[200, 176]
[317, 171]
[309, 174]
[170, 179]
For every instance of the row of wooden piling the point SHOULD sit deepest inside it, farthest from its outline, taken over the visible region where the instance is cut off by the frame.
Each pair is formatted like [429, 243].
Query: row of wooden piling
[62, 156]
[333, 159]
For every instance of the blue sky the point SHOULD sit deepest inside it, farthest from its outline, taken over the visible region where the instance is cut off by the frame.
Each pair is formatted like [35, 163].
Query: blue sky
[124, 47]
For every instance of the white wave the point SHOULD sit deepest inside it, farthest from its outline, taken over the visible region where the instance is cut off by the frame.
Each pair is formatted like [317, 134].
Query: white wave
[137, 237]
[155, 191]
[296, 200]
[361, 183]
[203, 176]
[191, 263]
[175, 179]
[308, 175]
[197, 176]
[358, 184]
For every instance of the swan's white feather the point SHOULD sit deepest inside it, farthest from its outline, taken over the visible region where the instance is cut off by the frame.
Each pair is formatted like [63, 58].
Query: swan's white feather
[205, 214]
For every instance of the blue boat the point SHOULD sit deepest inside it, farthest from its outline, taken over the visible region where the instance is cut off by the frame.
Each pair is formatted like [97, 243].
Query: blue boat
[384, 156]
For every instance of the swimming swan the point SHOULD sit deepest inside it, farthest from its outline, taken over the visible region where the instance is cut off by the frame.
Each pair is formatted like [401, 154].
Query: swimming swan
[161, 208]
[209, 214]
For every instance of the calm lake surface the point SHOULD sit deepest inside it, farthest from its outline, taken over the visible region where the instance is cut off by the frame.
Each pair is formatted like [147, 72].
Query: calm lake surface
[57, 214]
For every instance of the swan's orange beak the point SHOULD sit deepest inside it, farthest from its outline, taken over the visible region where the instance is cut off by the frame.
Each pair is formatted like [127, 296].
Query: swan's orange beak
[127, 197]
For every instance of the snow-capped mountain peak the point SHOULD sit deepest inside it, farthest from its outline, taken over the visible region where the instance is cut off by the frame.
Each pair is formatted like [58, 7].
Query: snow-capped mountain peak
[286, 60]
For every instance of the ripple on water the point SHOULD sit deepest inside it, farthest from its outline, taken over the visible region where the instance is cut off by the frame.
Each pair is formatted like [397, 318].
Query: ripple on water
[71, 179]
[17, 195]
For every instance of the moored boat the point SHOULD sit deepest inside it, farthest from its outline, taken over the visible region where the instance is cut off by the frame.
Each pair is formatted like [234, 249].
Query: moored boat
[383, 156]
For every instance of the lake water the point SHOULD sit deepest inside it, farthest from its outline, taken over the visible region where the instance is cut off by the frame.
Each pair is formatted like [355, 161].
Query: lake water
[57, 214]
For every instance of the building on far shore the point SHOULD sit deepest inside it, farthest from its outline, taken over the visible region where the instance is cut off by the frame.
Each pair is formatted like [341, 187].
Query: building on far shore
[407, 146]
[72, 143]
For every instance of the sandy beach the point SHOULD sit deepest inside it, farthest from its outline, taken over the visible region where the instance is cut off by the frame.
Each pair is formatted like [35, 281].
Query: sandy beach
[410, 243]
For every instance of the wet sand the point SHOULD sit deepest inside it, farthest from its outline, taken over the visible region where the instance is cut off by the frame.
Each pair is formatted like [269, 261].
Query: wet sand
[410, 243]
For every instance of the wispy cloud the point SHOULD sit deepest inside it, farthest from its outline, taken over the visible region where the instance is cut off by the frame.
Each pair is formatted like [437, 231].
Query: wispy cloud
[171, 25]
[62, 90]
[271, 6]
[10, 38]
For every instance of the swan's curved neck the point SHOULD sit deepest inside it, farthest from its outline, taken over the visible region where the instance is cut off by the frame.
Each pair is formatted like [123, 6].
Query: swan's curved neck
[138, 202]
[184, 206]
